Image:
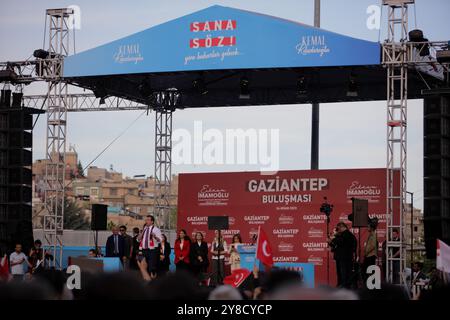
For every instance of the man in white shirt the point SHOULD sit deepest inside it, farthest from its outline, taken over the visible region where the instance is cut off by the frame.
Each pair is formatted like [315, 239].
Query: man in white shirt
[16, 260]
[149, 239]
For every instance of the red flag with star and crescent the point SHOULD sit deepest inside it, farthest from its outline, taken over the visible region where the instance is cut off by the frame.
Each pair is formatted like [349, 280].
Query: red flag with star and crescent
[237, 277]
[263, 249]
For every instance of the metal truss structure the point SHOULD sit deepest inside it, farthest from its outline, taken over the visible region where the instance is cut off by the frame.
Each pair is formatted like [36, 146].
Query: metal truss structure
[83, 102]
[397, 97]
[56, 102]
[164, 104]
[398, 56]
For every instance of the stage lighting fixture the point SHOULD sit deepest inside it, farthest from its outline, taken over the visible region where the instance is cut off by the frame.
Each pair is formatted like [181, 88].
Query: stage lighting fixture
[145, 89]
[352, 90]
[8, 75]
[100, 92]
[301, 86]
[199, 86]
[244, 88]
[41, 54]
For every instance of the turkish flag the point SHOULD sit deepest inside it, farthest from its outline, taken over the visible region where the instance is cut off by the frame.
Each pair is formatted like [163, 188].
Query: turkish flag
[263, 249]
[237, 277]
[4, 268]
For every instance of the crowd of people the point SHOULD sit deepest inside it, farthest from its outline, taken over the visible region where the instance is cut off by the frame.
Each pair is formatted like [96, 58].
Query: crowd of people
[146, 257]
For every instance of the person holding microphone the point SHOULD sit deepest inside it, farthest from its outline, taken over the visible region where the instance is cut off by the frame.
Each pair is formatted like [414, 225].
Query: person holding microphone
[149, 239]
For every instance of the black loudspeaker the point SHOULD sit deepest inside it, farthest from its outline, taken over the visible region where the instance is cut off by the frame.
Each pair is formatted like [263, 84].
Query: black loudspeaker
[16, 141]
[360, 213]
[218, 223]
[436, 171]
[99, 216]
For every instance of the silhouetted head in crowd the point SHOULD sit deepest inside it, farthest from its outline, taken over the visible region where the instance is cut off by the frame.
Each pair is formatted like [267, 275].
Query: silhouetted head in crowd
[387, 292]
[56, 279]
[115, 286]
[180, 285]
[225, 293]
[281, 277]
[436, 293]
[295, 292]
[135, 231]
[26, 290]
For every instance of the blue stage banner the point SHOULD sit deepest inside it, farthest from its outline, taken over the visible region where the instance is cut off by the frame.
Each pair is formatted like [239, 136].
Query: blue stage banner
[111, 264]
[223, 38]
[248, 259]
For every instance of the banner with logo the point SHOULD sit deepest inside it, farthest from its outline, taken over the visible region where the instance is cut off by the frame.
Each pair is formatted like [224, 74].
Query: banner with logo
[218, 38]
[286, 205]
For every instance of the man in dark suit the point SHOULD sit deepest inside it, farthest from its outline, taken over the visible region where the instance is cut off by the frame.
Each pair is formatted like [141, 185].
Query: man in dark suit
[115, 244]
[135, 249]
[128, 245]
[343, 245]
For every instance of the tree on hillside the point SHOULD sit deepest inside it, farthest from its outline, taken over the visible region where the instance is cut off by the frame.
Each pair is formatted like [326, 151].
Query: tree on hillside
[73, 216]
[80, 169]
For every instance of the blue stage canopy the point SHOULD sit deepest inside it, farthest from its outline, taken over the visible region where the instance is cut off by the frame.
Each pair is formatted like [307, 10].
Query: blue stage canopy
[220, 38]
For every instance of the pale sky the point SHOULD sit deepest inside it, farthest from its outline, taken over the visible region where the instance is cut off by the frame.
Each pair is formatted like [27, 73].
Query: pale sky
[352, 135]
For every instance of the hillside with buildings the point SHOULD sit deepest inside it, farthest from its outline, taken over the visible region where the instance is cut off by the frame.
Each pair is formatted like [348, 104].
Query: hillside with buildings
[129, 199]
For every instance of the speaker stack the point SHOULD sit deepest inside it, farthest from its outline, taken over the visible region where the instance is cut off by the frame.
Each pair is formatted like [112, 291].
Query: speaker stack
[16, 142]
[436, 171]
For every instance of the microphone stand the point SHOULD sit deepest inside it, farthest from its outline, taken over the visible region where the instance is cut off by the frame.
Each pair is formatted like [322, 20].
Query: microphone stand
[328, 251]
[219, 274]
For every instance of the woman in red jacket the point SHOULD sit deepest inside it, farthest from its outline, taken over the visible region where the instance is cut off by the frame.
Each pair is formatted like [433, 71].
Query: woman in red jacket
[182, 251]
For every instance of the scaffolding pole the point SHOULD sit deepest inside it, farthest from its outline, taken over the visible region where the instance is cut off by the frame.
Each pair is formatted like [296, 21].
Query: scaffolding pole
[165, 103]
[54, 179]
[396, 61]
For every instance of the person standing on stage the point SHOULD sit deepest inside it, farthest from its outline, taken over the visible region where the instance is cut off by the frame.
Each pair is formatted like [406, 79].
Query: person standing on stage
[235, 257]
[199, 256]
[127, 246]
[149, 239]
[371, 248]
[36, 256]
[164, 256]
[16, 261]
[218, 249]
[182, 249]
[114, 245]
[134, 249]
[343, 245]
